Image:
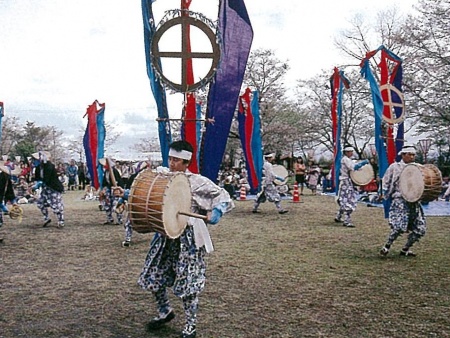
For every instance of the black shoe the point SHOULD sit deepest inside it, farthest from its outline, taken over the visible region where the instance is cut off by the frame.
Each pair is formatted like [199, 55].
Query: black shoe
[384, 251]
[158, 322]
[255, 211]
[109, 222]
[189, 332]
[337, 220]
[126, 243]
[188, 335]
[47, 222]
[283, 211]
[349, 225]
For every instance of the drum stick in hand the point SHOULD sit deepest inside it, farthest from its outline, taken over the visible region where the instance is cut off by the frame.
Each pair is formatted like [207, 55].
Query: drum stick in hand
[191, 214]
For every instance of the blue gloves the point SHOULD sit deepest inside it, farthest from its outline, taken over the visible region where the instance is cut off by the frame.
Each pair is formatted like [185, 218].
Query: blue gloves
[126, 194]
[37, 185]
[361, 164]
[279, 178]
[216, 214]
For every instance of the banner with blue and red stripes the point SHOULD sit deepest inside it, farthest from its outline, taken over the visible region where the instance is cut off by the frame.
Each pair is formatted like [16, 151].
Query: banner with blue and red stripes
[250, 135]
[94, 141]
[338, 82]
[387, 144]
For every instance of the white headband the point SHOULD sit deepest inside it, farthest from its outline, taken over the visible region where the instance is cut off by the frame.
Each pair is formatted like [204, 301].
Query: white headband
[408, 150]
[184, 154]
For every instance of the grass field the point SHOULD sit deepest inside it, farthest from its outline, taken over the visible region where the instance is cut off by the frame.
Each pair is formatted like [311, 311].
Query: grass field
[293, 275]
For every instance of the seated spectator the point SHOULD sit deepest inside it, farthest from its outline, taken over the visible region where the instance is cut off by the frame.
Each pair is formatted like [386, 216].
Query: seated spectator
[229, 187]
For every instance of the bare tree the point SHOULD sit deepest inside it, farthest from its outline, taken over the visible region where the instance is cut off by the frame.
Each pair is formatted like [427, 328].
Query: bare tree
[428, 71]
[147, 145]
[428, 61]
[314, 101]
[10, 134]
[265, 73]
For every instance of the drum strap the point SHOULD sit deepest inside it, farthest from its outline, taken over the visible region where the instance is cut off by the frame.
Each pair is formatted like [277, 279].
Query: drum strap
[201, 234]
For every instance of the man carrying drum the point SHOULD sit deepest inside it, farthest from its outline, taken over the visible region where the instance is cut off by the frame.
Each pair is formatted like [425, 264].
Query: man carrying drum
[346, 196]
[269, 189]
[403, 216]
[180, 263]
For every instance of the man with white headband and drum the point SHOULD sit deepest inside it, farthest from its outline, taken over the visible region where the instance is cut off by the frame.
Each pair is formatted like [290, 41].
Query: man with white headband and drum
[180, 263]
[404, 216]
[346, 196]
[269, 191]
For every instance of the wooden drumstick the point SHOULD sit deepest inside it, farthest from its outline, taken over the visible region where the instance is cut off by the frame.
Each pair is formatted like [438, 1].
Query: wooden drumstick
[191, 214]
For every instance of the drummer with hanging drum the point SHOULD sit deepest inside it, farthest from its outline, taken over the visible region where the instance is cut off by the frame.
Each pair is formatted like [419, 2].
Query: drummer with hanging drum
[179, 263]
[346, 196]
[404, 216]
[269, 190]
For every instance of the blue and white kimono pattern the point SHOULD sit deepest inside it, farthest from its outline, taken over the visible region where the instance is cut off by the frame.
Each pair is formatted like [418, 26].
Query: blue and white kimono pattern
[346, 197]
[179, 263]
[403, 216]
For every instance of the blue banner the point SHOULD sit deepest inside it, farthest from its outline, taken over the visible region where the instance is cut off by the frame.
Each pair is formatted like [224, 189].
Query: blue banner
[236, 38]
[165, 136]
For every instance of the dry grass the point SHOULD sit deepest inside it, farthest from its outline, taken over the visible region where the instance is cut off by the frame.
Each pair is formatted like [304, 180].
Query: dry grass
[293, 275]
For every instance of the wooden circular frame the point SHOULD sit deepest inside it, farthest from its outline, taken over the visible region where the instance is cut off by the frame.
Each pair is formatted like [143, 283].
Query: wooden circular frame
[392, 119]
[185, 55]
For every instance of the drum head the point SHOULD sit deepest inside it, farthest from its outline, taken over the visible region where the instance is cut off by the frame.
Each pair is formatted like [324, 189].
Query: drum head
[362, 176]
[411, 183]
[177, 197]
[282, 172]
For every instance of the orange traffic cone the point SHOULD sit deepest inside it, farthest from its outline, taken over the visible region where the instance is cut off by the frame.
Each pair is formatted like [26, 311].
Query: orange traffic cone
[243, 194]
[295, 195]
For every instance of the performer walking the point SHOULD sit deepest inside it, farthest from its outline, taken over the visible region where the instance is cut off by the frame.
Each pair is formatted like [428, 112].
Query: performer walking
[111, 181]
[180, 263]
[403, 216]
[6, 191]
[46, 178]
[269, 190]
[346, 196]
[124, 193]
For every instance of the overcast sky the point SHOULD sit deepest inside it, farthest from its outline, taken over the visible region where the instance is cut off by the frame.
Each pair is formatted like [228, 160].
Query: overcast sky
[58, 56]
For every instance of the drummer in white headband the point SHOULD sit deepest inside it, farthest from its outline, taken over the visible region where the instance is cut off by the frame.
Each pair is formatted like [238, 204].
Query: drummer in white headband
[269, 190]
[403, 216]
[346, 195]
[179, 263]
